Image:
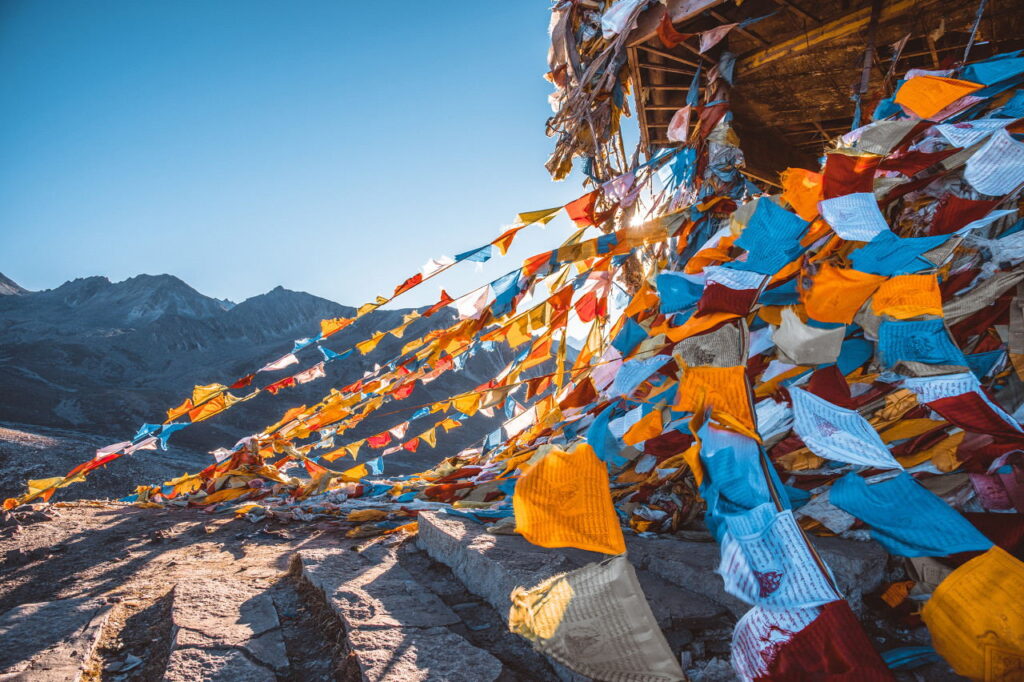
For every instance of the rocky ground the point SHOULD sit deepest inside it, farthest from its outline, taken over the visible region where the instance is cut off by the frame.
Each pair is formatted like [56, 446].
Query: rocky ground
[107, 591]
[28, 452]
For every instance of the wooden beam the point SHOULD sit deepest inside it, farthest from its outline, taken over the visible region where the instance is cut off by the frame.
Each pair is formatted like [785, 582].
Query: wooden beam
[797, 11]
[832, 31]
[821, 130]
[633, 59]
[667, 55]
[666, 69]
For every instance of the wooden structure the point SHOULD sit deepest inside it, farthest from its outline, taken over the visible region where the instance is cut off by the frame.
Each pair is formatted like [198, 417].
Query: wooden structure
[797, 70]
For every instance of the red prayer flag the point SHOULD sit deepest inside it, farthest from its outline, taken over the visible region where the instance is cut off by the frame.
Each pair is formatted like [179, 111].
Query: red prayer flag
[278, 385]
[668, 34]
[408, 284]
[411, 445]
[581, 210]
[403, 391]
[244, 381]
[379, 441]
[445, 300]
[848, 174]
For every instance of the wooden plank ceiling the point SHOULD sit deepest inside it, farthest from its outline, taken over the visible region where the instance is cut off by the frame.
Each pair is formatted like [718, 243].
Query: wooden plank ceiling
[796, 71]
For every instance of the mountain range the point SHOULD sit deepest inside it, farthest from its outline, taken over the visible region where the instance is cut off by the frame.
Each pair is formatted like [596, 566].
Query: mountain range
[104, 357]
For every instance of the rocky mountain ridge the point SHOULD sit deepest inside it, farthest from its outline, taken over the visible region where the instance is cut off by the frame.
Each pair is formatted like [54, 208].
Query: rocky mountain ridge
[104, 357]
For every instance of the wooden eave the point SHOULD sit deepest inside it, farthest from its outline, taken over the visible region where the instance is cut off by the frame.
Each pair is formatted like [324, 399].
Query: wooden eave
[796, 71]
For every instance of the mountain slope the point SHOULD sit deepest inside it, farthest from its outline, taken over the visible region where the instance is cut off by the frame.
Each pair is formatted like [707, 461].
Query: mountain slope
[8, 287]
[104, 357]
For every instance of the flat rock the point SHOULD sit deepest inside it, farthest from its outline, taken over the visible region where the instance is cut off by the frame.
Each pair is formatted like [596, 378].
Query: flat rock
[490, 566]
[690, 565]
[215, 665]
[857, 566]
[493, 565]
[427, 654]
[50, 641]
[224, 630]
[396, 629]
[373, 594]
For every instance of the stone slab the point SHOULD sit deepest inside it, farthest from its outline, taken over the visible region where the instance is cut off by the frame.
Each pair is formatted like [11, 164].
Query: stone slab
[858, 566]
[50, 641]
[373, 594]
[224, 630]
[491, 566]
[215, 665]
[396, 629]
[420, 655]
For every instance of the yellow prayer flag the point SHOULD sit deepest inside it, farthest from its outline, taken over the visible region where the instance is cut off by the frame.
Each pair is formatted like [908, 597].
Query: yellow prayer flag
[976, 617]
[334, 325]
[543, 216]
[448, 424]
[355, 473]
[467, 404]
[203, 393]
[226, 494]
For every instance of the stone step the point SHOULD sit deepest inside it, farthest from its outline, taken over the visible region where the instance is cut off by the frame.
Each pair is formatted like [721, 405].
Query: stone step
[858, 566]
[493, 565]
[224, 631]
[50, 641]
[396, 629]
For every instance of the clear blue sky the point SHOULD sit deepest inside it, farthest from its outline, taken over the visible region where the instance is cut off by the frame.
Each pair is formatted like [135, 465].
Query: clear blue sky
[327, 146]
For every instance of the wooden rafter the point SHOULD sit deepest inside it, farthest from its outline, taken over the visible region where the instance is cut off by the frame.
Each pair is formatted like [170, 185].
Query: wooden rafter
[667, 55]
[665, 69]
[797, 11]
[833, 30]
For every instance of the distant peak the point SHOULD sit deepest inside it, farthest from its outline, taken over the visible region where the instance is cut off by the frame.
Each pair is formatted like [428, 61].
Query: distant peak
[8, 287]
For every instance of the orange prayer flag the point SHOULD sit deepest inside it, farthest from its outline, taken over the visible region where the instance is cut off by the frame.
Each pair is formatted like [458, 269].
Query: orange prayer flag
[648, 427]
[533, 264]
[926, 96]
[505, 240]
[539, 354]
[564, 501]
[581, 211]
[448, 424]
[176, 412]
[724, 390]
[836, 294]
[335, 454]
[698, 324]
[907, 296]
[803, 190]
[644, 299]
[208, 409]
[668, 34]
[467, 404]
